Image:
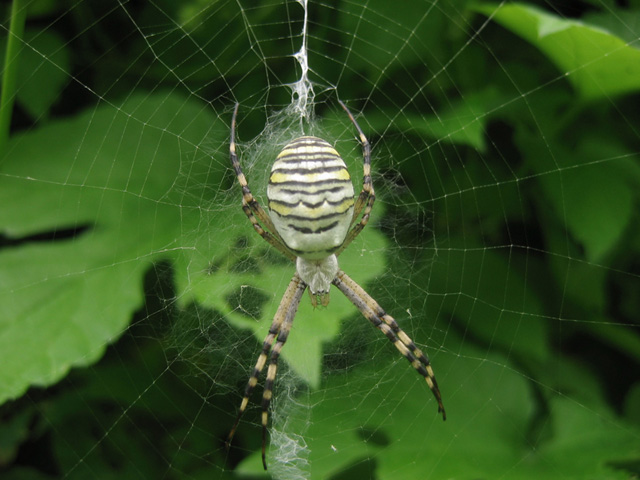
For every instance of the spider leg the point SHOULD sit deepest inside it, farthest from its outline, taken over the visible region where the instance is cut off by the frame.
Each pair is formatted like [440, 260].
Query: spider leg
[367, 195]
[279, 327]
[387, 325]
[250, 205]
[253, 380]
[289, 306]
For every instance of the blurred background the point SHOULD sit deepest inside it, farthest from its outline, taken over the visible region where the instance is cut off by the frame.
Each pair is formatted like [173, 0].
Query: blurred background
[135, 294]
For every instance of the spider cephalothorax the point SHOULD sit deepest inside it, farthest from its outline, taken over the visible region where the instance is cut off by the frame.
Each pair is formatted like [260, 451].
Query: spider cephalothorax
[313, 218]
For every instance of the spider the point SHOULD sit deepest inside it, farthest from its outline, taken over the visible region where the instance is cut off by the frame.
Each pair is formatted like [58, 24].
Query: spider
[312, 220]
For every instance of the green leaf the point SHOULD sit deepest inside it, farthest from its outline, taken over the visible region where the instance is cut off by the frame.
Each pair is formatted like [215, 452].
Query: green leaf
[584, 445]
[384, 40]
[462, 122]
[597, 63]
[43, 71]
[137, 186]
[14, 431]
[596, 201]
[480, 290]
[112, 173]
[632, 405]
[598, 207]
[384, 412]
[623, 22]
[591, 188]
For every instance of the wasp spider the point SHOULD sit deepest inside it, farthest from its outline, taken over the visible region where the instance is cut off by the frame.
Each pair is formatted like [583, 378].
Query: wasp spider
[312, 220]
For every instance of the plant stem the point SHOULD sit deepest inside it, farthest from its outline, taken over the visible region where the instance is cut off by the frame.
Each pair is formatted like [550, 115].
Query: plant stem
[10, 71]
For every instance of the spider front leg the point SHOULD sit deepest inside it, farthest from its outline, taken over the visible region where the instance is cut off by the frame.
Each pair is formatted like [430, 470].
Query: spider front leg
[367, 194]
[387, 325]
[280, 327]
[250, 205]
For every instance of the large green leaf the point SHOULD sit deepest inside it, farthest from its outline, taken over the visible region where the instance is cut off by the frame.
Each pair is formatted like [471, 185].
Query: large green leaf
[597, 202]
[591, 188]
[136, 187]
[479, 289]
[43, 71]
[111, 173]
[461, 122]
[384, 413]
[598, 63]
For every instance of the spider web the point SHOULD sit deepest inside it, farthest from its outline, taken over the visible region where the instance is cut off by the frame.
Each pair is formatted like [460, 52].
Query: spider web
[504, 240]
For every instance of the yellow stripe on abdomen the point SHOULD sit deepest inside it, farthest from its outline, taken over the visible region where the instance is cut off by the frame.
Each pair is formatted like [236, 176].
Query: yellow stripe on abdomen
[310, 197]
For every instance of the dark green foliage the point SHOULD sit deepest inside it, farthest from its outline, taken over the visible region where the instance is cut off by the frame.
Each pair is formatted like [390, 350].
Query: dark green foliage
[134, 294]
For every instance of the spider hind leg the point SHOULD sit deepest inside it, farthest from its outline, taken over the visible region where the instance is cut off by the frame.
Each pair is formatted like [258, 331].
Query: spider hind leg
[278, 333]
[387, 325]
